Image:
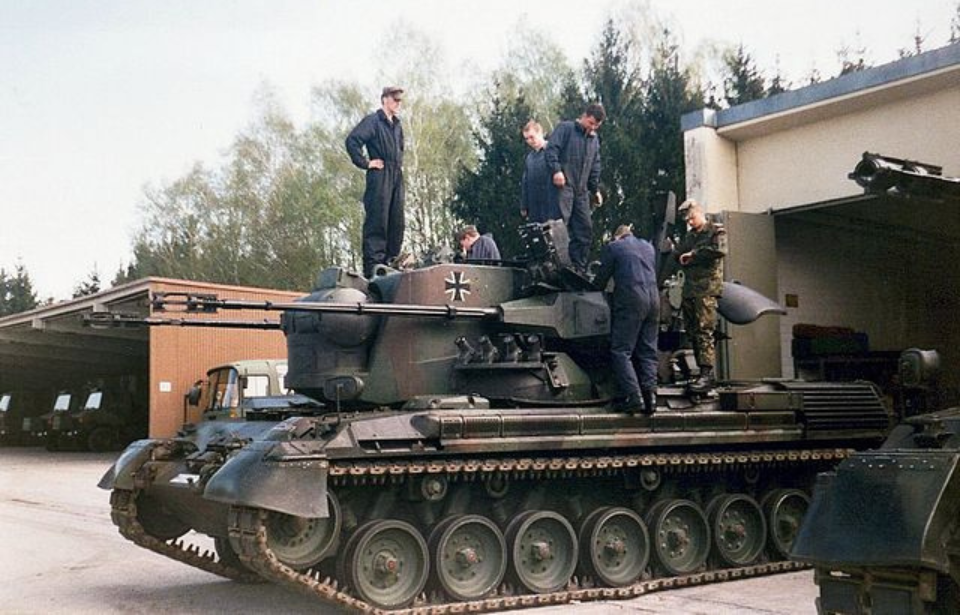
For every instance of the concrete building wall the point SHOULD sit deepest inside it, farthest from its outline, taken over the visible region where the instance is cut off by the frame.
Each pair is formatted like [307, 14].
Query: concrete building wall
[810, 163]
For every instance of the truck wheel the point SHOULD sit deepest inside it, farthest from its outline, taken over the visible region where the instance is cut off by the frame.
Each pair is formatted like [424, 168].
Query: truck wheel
[103, 439]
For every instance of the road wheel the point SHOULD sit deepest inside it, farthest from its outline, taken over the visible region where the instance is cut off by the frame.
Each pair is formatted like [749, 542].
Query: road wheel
[386, 562]
[614, 546]
[469, 556]
[784, 509]
[543, 550]
[680, 536]
[738, 527]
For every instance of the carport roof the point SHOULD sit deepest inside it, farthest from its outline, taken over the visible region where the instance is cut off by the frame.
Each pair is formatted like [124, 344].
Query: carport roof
[50, 345]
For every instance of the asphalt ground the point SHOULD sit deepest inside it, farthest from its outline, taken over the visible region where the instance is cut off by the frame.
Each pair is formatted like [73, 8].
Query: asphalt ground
[62, 555]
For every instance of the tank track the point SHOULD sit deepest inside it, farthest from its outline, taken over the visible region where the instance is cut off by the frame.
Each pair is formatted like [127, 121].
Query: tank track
[247, 526]
[123, 512]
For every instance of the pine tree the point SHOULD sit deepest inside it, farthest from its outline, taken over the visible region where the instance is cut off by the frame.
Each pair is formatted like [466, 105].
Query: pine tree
[489, 196]
[743, 82]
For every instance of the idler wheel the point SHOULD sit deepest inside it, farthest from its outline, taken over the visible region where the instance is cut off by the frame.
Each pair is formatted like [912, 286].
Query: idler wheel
[386, 562]
[469, 556]
[784, 509]
[614, 546]
[680, 535]
[301, 542]
[738, 527]
[543, 550]
[157, 521]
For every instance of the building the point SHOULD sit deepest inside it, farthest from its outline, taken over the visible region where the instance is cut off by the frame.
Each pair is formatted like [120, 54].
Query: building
[799, 229]
[52, 348]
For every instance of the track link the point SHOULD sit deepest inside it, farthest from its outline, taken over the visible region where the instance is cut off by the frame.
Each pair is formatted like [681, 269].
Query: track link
[247, 526]
[123, 505]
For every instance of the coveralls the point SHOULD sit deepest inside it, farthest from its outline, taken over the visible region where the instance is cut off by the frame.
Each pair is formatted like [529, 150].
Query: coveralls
[484, 248]
[577, 154]
[630, 261]
[383, 223]
[539, 197]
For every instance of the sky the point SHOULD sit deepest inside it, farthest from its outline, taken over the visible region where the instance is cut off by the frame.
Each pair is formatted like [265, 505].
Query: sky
[101, 98]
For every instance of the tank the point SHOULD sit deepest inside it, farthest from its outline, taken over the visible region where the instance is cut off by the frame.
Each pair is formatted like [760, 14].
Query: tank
[883, 529]
[467, 456]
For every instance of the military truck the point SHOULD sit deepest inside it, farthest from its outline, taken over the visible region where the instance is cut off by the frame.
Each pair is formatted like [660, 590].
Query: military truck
[15, 406]
[230, 389]
[46, 427]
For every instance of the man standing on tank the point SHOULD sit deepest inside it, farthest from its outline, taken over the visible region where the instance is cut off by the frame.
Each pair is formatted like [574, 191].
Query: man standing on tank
[381, 133]
[573, 157]
[631, 262]
[700, 254]
[539, 196]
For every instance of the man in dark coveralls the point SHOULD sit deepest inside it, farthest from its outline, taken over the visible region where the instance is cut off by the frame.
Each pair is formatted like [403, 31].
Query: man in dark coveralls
[476, 246]
[573, 157]
[700, 254]
[539, 196]
[382, 135]
[631, 262]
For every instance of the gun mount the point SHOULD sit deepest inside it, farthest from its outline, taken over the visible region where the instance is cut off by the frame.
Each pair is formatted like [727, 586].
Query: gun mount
[878, 174]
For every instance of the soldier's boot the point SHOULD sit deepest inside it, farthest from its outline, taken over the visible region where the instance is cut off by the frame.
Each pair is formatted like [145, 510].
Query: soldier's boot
[630, 404]
[649, 401]
[705, 382]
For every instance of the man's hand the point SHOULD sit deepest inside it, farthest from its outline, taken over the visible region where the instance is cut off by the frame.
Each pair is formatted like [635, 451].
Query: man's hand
[596, 199]
[559, 180]
[686, 257]
[376, 163]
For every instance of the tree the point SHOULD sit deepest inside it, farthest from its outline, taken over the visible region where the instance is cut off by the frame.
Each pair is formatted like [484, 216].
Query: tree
[669, 92]
[89, 286]
[743, 82]
[612, 79]
[536, 68]
[852, 59]
[489, 195]
[955, 25]
[16, 291]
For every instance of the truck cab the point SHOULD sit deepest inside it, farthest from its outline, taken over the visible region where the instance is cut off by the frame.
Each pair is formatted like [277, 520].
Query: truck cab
[229, 389]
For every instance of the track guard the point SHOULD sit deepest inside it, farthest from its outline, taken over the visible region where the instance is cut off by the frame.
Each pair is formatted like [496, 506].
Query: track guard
[280, 476]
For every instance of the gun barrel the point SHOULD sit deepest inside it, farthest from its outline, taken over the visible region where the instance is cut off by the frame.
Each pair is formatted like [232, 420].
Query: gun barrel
[188, 302]
[102, 320]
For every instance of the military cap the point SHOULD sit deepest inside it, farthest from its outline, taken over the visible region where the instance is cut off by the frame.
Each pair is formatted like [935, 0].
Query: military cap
[685, 207]
[391, 90]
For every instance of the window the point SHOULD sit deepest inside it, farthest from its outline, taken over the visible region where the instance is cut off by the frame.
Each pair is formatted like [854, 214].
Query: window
[5, 403]
[257, 385]
[63, 403]
[93, 400]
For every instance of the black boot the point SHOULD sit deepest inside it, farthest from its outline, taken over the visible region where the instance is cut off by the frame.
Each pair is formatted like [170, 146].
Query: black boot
[630, 404]
[705, 382]
[649, 401]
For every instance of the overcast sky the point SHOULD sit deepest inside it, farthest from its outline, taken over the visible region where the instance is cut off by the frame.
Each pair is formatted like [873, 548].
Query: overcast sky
[99, 98]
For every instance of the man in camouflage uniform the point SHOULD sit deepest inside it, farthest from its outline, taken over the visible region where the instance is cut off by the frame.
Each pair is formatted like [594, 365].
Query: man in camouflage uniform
[700, 254]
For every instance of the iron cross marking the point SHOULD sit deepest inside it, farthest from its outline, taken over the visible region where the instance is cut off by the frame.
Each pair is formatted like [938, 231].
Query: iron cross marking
[457, 286]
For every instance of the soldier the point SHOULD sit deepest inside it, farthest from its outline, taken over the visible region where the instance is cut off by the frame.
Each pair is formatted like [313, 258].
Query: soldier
[382, 135]
[631, 262]
[538, 201]
[700, 254]
[476, 246]
[573, 157]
